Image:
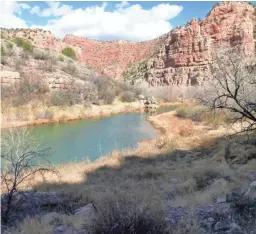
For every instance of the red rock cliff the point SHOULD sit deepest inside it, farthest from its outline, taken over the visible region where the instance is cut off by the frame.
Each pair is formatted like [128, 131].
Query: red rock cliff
[112, 58]
[179, 57]
[187, 50]
[182, 55]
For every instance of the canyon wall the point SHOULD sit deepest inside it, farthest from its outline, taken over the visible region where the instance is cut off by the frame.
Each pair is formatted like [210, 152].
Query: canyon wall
[180, 57]
[112, 58]
[185, 56]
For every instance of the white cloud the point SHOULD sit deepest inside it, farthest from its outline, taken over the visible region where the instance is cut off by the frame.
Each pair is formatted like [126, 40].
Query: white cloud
[8, 17]
[54, 9]
[122, 4]
[35, 10]
[130, 22]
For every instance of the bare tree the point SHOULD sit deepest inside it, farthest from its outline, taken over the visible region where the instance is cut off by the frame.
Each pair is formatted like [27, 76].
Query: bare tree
[21, 156]
[232, 88]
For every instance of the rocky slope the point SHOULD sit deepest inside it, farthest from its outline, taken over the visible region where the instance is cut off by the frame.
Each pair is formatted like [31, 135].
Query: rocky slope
[179, 57]
[184, 57]
[60, 73]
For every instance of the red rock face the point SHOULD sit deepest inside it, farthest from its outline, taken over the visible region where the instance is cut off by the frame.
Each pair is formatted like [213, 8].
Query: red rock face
[180, 57]
[188, 50]
[112, 58]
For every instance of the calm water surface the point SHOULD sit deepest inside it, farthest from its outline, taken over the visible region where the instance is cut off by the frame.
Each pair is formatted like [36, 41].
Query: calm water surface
[77, 140]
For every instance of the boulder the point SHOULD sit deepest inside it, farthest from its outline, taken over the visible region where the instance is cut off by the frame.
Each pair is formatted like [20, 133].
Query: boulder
[65, 230]
[251, 192]
[141, 97]
[88, 210]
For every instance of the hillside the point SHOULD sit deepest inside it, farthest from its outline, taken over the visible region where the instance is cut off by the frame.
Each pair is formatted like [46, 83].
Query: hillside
[178, 57]
[41, 86]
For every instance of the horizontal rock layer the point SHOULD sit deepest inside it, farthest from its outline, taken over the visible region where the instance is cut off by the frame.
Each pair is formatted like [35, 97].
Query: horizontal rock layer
[179, 57]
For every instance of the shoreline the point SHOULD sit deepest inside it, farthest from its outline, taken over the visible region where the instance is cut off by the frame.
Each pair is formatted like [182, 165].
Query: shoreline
[66, 114]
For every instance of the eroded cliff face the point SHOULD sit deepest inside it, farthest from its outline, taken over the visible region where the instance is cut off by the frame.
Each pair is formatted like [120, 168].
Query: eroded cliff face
[185, 56]
[112, 58]
[180, 57]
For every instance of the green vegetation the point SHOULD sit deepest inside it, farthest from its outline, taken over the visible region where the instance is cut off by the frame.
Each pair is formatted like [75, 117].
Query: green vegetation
[61, 58]
[3, 52]
[135, 73]
[25, 44]
[9, 44]
[69, 52]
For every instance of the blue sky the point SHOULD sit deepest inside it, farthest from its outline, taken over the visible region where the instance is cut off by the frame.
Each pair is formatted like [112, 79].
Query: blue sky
[136, 21]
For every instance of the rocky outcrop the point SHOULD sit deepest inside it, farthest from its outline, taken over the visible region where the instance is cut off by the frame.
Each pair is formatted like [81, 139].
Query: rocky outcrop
[40, 38]
[180, 57]
[150, 103]
[112, 58]
[232, 215]
[185, 56]
[9, 77]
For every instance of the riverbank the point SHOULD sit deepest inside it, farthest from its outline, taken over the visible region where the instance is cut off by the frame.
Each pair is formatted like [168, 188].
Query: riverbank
[28, 115]
[174, 134]
[190, 164]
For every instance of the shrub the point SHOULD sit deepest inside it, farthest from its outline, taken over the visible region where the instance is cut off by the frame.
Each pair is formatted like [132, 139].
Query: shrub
[70, 68]
[20, 152]
[205, 178]
[135, 73]
[26, 45]
[47, 66]
[17, 64]
[40, 55]
[24, 55]
[106, 90]
[30, 87]
[88, 92]
[3, 52]
[52, 59]
[124, 214]
[69, 52]
[9, 44]
[6, 92]
[194, 113]
[3, 60]
[199, 113]
[128, 96]
[65, 98]
[61, 58]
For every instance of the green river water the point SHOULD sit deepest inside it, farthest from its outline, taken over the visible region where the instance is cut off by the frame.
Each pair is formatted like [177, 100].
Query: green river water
[81, 139]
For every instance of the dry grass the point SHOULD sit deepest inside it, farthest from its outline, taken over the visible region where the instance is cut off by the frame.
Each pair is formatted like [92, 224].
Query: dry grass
[36, 114]
[188, 157]
[185, 167]
[196, 112]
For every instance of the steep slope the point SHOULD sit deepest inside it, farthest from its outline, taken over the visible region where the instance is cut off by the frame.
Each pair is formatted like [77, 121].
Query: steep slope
[184, 57]
[112, 58]
[57, 71]
[179, 57]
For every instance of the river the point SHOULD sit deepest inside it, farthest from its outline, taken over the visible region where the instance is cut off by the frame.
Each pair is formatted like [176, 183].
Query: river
[81, 139]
